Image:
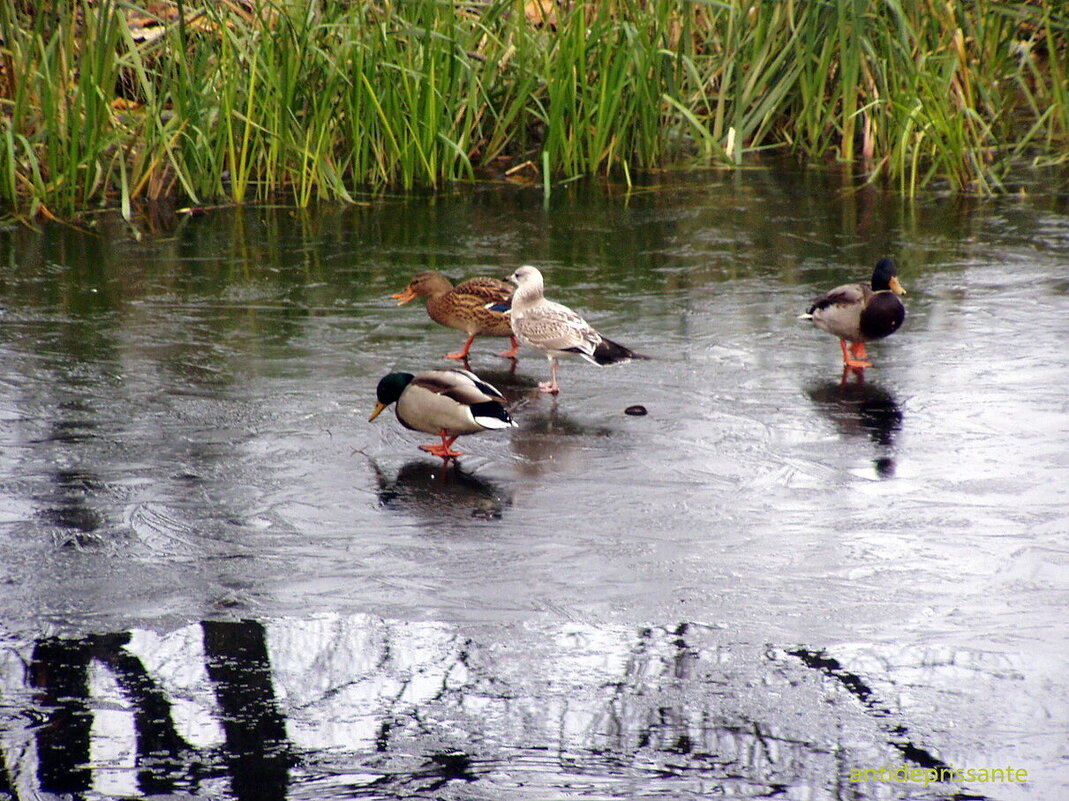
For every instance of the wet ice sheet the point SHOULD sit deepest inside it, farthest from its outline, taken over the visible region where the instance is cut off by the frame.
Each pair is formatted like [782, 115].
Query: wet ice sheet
[184, 438]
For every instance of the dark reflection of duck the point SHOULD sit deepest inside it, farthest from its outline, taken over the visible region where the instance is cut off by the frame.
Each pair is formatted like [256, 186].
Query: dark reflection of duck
[431, 489]
[548, 437]
[861, 408]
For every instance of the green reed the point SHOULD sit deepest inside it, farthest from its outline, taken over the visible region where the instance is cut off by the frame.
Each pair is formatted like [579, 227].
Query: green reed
[317, 101]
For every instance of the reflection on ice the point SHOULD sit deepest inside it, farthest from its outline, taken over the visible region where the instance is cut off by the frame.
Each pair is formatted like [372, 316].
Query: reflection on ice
[399, 708]
[74, 748]
[177, 442]
[550, 440]
[859, 407]
[430, 490]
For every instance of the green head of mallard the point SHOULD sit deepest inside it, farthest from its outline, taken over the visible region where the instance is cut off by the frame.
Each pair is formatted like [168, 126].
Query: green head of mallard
[885, 276]
[389, 390]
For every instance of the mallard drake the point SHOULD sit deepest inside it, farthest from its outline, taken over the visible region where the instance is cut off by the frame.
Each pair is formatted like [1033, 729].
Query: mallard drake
[478, 306]
[448, 403]
[860, 313]
[556, 330]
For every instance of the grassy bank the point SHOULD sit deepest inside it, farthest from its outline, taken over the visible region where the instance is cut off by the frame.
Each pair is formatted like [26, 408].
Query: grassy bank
[105, 103]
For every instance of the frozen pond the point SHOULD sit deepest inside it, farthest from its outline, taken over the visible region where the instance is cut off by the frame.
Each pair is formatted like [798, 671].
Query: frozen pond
[220, 580]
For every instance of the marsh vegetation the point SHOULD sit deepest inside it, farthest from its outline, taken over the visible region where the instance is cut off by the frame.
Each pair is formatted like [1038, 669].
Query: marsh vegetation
[250, 100]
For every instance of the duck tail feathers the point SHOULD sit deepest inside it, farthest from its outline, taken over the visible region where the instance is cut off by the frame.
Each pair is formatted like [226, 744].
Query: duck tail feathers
[491, 414]
[609, 352]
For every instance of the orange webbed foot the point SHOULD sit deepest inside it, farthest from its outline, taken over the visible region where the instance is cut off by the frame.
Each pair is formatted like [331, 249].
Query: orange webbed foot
[511, 352]
[854, 355]
[462, 354]
[443, 450]
[857, 372]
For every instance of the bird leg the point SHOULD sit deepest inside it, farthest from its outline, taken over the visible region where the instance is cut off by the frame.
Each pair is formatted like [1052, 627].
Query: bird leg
[854, 356]
[511, 352]
[462, 355]
[551, 385]
[857, 372]
[443, 450]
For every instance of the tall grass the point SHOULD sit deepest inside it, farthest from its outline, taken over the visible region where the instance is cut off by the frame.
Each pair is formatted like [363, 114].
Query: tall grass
[249, 101]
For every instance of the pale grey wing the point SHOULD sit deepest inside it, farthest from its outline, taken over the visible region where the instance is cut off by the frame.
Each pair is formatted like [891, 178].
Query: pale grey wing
[487, 390]
[844, 295]
[462, 386]
[551, 326]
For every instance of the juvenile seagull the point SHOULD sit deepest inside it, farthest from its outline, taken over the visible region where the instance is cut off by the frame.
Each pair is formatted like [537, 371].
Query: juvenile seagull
[556, 330]
[448, 403]
[860, 313]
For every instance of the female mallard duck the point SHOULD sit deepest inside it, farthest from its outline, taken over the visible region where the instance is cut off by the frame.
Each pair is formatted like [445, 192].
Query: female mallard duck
[443, 402]
[860, 313]
[477, 306]
[556, 330]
